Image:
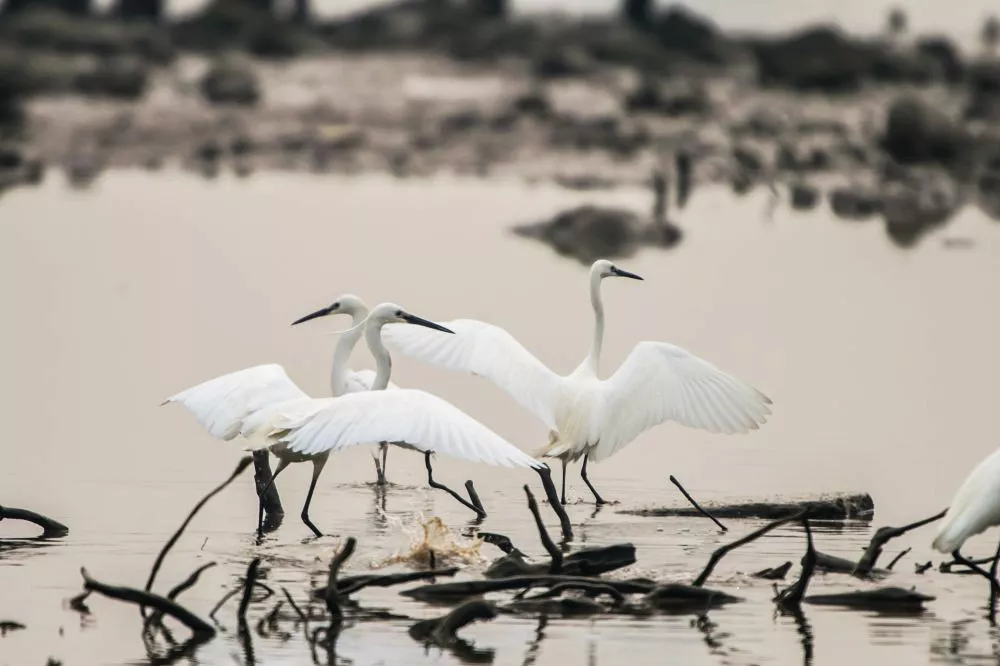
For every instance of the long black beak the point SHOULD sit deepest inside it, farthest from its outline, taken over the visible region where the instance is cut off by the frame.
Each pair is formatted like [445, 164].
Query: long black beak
[314, 315]
[414, 319]
[620, 273]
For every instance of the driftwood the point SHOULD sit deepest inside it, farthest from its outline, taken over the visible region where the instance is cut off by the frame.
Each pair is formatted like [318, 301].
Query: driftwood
[240, 468]
[198, 627]
[545, 473]
[881, 537]
[721, 551]
[10, 625]
[826, 507]
[883, 598]
[791, 597]
[555, 566]
[442, 631]
[678, 597]
[501, 541]
[333, 597]
[450, 592]
[774, 573]
[565, 607]
[698, 507]
[51, 529]
[584, 562]
[351, 584]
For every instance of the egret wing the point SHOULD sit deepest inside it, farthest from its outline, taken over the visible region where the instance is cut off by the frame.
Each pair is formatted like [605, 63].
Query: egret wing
[485, 350]
[974, 508]
[224, 405]
[419, 419]
[661, 382]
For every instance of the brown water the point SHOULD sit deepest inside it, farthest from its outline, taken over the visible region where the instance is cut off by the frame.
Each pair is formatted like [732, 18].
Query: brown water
[882, 364]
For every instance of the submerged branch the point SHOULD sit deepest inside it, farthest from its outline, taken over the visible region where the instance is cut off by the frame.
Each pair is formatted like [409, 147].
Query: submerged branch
[881, 537]
[333, 595]
[167, 607]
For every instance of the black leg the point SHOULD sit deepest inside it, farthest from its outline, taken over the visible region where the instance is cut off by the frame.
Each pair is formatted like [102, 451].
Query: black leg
[583, 475]
[562, 499]
[993, 587]
[385, 455]
[317, 469]
[263, 491]
[379, 467]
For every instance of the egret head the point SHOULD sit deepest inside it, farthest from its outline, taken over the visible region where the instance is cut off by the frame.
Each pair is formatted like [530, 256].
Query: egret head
[387, 313]
[603, 268]
[348, 304]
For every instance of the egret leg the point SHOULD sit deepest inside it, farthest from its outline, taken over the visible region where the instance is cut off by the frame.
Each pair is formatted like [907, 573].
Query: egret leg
[379, 467]
[583, 475]
[385, 454]
[282, 464]
[562, 498]
[318, 464]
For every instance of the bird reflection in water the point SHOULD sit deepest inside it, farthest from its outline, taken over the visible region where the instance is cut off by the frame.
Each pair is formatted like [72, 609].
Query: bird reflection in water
[379, 517]
[532, 652]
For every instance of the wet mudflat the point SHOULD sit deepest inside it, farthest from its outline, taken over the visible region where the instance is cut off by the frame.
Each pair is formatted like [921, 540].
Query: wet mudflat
[880, 362]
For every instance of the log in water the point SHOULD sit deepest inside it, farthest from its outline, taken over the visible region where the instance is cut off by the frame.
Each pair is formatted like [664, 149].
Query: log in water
[835, 506]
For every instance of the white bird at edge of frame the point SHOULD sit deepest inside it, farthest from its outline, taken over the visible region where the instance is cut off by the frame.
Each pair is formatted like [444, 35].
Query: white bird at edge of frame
[589, 417]
[343, 379]
[974, 509]
[261, 404]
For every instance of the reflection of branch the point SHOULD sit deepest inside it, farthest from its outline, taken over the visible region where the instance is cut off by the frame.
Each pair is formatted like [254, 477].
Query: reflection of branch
[441, 631]
[52, 529]
[240, 467]
[721, 551]
[170, 608]
[673, 480]
[532, 653]
[248, 584]
[898, 558]
[791, 597]
[804, 630]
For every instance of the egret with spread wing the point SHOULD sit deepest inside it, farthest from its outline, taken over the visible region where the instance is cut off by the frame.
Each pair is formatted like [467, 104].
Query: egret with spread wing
[246, 402]
[343, 379]
[589, 417]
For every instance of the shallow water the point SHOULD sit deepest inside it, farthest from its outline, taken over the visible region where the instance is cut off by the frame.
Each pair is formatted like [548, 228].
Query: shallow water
[881, 363]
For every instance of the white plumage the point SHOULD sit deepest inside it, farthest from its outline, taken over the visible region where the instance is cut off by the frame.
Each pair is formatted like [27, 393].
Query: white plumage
[263, 404]
[975, 508]
[587, 416]
[406, 416]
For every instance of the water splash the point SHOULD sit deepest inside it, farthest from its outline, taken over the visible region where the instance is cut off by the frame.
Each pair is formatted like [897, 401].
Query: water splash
[431, 535]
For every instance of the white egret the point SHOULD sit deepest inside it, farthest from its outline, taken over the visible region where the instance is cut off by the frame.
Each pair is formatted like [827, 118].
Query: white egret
[245, 402]
[343, 379]
[975, 508]
[589, 417]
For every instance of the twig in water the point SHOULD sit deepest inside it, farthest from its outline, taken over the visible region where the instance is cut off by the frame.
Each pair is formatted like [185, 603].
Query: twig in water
[240, 468]
[156, 617]
[52, 529]
[78, 603]
[199, 627]
[333, 596]
[898, 558]
[545, 472]
[921, 568]
[543, 534]
[791, 597]
[988, 575]
[673, 480]
[880, 538]
[501, 541]
[222, 602]
[470, 488]
[721, 551]
[480, 512]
